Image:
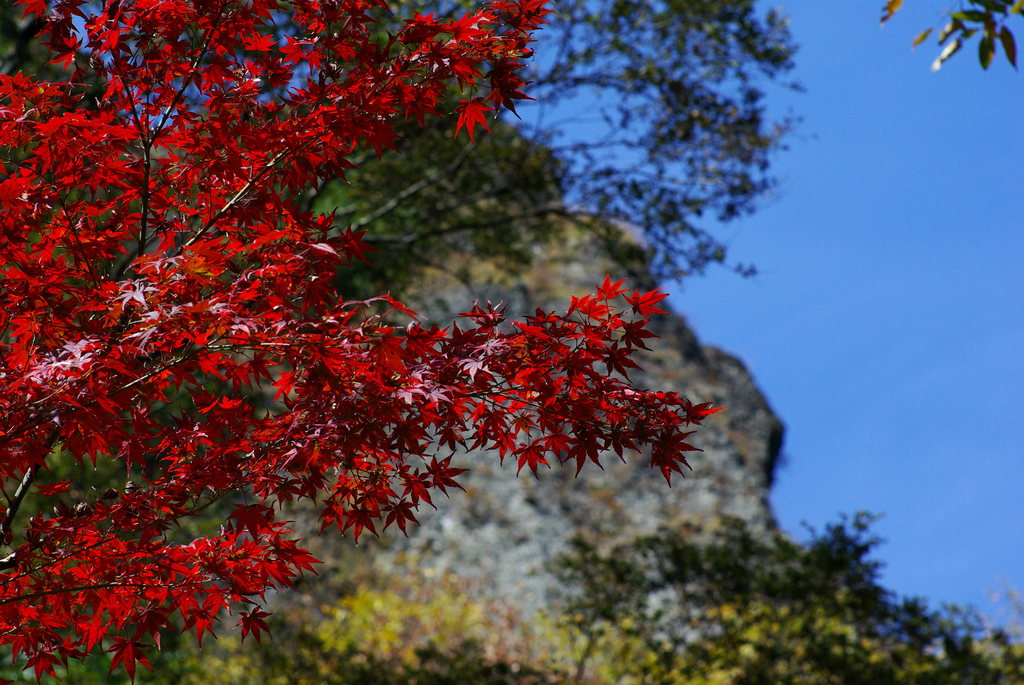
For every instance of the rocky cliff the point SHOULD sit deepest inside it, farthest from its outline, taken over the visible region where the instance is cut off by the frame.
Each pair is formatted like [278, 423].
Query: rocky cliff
[500, 533]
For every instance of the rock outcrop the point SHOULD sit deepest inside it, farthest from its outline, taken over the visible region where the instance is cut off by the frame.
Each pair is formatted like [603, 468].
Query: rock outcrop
[500, 534]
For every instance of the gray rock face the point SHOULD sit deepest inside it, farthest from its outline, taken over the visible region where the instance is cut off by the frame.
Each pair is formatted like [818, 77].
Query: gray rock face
[503, 530]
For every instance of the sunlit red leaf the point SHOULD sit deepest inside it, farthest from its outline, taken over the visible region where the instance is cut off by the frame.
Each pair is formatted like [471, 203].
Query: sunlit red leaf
[471, 113]
[159, 278]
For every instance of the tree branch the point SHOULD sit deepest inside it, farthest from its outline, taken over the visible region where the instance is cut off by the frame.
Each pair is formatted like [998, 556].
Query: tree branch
[409, 191]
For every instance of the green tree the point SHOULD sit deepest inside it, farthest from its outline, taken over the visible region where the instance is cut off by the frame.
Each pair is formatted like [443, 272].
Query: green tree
[676, 133]
[741, 608]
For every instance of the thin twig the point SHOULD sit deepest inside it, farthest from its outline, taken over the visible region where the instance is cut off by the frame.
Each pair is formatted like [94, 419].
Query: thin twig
[236, 198]
[15, 503]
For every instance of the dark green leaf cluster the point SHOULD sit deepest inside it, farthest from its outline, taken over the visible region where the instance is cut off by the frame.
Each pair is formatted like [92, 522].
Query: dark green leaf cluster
[496, 198]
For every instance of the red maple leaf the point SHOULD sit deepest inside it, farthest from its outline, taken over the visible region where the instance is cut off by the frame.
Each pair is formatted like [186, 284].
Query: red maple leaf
[471, 113]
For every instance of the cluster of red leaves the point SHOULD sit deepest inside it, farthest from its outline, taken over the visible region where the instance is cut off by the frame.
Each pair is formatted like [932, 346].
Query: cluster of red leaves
[168, 306]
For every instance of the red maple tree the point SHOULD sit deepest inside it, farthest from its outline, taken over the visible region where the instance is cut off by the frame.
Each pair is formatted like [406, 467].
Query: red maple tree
[168, 307]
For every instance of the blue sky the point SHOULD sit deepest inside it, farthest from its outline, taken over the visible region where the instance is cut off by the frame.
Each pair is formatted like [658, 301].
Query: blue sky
[886, 325]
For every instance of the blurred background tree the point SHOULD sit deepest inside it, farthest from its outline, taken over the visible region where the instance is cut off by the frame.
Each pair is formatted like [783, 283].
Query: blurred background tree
[742, 609]
[650, 117]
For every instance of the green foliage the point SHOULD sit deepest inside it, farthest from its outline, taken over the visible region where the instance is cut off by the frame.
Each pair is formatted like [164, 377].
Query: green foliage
[988, 19]
[744, 608]
[497, 197]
